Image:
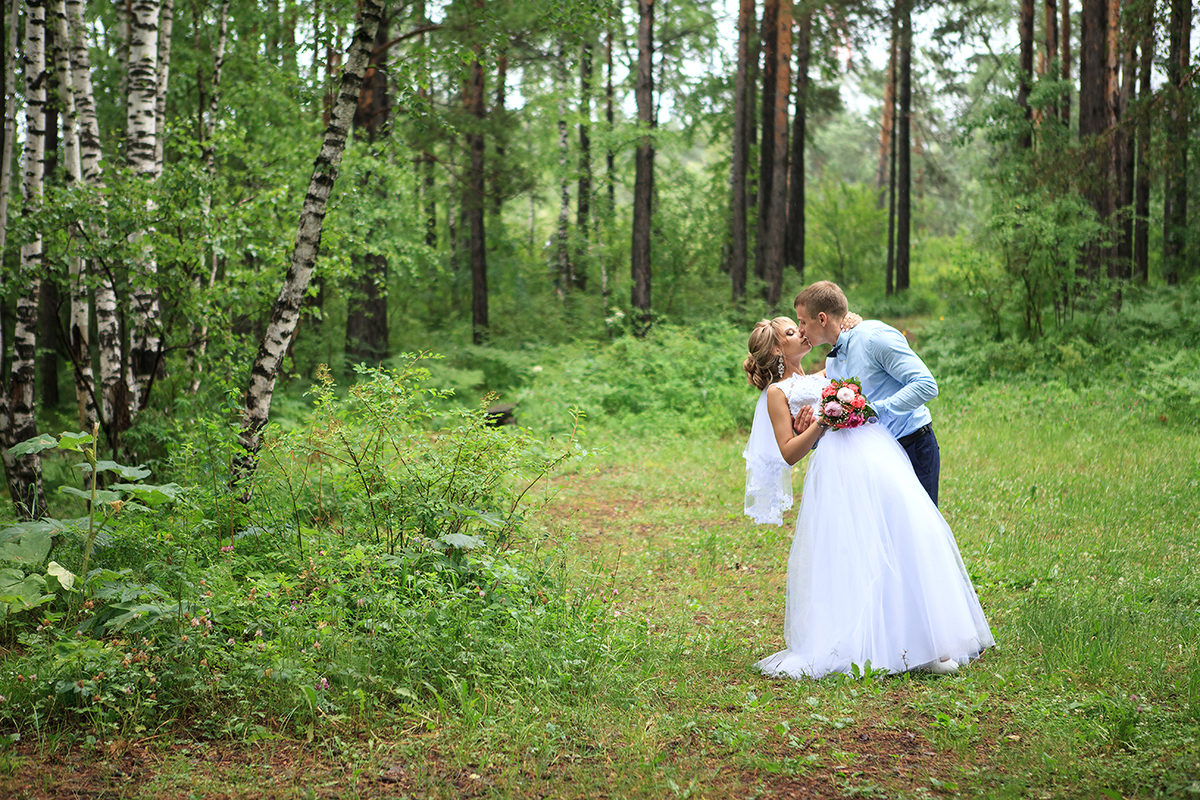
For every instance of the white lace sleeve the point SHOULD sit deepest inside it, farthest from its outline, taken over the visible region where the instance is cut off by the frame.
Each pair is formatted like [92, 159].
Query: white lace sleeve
[768, 476]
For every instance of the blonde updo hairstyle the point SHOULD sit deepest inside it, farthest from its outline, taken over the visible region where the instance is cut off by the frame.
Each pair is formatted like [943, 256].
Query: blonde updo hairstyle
[762, 364]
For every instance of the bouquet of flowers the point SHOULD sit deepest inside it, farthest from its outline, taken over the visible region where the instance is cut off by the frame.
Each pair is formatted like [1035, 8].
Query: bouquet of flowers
[843, 405]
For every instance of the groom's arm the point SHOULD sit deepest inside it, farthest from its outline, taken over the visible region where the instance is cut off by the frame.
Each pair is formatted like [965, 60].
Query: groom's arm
[890, 350]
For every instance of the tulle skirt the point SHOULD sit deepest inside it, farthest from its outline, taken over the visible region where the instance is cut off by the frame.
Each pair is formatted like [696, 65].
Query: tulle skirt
[874, 574]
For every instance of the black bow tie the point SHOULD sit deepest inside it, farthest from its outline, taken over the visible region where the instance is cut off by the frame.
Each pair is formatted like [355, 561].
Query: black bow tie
[834, 352]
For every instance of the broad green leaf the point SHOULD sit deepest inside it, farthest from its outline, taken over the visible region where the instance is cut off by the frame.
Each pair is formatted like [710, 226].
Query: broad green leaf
[102, 495]
[65, 577]
[43, 441]
[149, 493]
[74, 441]
[462, 541]
[31, 546]
[20, 590]
[123, 471]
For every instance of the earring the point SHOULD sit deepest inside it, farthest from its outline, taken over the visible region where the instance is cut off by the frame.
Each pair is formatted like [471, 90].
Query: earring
[779, 360]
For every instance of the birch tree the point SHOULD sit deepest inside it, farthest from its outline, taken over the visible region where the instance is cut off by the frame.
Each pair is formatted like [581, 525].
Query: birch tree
[286, 311]
[141, 153]
[24, 473]
[10, 121]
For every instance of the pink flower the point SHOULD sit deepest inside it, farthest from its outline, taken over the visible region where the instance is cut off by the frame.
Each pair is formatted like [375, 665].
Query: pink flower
[834, 409]
[854, 386]
[227, 548]
[845, 394]
[859, 401]
[828, 391]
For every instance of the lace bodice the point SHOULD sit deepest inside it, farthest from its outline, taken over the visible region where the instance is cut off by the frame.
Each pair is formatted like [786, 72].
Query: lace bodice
[802, 390]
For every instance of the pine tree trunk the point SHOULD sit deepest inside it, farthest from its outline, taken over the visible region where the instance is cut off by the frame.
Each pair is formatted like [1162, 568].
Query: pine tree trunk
[1025, 73]
[1175, 187]
[776, 238]
[498, 189]
[1064, 52]
[473, 203]
[1050, 20]
[766, 152]
[1094, 120]
[887, 124]
[367, 327]
[1141, 214]
[427, 159]
[643, 181]
[741, 152]
[145, 348]
[795, 228]
[904, 149]
[583, 193]
[562, 253]
[1121, 267]
[286, 311]
[610, 170]
[24, 472]
[890, 264]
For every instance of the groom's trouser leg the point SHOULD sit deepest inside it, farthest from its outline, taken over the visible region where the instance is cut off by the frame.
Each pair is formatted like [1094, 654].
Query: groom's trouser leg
[926, 458]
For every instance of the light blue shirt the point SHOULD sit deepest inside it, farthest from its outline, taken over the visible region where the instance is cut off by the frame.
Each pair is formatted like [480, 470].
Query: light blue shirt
[896, 382]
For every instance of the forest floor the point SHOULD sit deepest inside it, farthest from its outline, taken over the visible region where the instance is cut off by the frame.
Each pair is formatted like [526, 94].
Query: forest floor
[1090, 692]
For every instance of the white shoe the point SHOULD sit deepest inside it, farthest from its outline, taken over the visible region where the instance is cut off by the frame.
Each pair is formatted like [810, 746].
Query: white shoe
[947, 666]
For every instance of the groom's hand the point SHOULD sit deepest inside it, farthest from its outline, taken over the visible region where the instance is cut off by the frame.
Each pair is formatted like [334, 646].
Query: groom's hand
[803, 420]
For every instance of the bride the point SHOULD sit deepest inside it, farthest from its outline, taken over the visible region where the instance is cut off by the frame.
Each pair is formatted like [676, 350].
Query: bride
[874, 578]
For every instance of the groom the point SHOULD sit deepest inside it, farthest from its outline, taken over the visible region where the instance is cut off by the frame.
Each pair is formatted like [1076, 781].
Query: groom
[896, 382]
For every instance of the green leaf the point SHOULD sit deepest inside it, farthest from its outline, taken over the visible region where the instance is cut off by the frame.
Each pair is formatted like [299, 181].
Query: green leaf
[74, 441]
[462, 541]
[123, 471]
[149, 493]
[26, 543]
[43, 441]
[64, 576]
[102, 495]
[20, 590]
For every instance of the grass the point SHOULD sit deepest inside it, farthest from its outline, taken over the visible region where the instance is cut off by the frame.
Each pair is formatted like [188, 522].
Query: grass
[1078, 525]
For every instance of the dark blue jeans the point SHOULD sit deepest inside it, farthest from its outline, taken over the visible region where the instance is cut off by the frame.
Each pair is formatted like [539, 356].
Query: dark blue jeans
[926, 458]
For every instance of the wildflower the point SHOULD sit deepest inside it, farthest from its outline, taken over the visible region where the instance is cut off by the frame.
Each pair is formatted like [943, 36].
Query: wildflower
[362, 601]
[3, 699]
[258, 634]
[227, 548]
[183, 638]
[316, 645]
[323, 684]
[195, 622]
[230, 641]
[153, 680]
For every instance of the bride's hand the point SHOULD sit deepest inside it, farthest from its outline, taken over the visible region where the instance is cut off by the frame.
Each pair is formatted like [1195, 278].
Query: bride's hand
[850, 320]
[803, 419]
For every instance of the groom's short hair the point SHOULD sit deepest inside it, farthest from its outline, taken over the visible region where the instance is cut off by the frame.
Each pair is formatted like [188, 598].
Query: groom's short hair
[824, 296]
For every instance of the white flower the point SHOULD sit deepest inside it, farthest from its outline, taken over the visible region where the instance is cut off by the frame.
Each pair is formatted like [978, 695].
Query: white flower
[845, 394]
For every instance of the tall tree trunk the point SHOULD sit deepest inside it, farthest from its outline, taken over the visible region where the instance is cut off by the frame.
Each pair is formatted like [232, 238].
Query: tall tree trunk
[110, 407]
[473, 202]
[795, 231]
[1175, 187]
[77, 343]
[774, 250]
[887, 125]
[1050, 20]
[166, 26]
[367, 329]
[610, 170]
[741, 151]
[766, 152]
[1121, 267]
[1064, 51]
[904, 148]
[427, 160]
[643, 181]
[566, 279]
[10, 120]
[24, 472]
[1094, 119]
[286, 311]
[1141, 213]
[145, 347]
[583, 193]
[498, 188]
[1025, 73]
[209, 128]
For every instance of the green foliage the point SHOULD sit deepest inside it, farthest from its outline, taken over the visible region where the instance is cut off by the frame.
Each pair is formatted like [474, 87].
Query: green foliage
[845, 233]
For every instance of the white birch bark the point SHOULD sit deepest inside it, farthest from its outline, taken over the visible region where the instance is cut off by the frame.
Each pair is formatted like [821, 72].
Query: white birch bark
[286, 311]
[141, 137]
[108, 333]
[200, 337]
[24, 472]
[10, 124]
[77, 340]
[166, 24]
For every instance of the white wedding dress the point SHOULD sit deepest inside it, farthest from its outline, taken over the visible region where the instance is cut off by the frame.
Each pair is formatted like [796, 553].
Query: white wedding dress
[874, 576]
